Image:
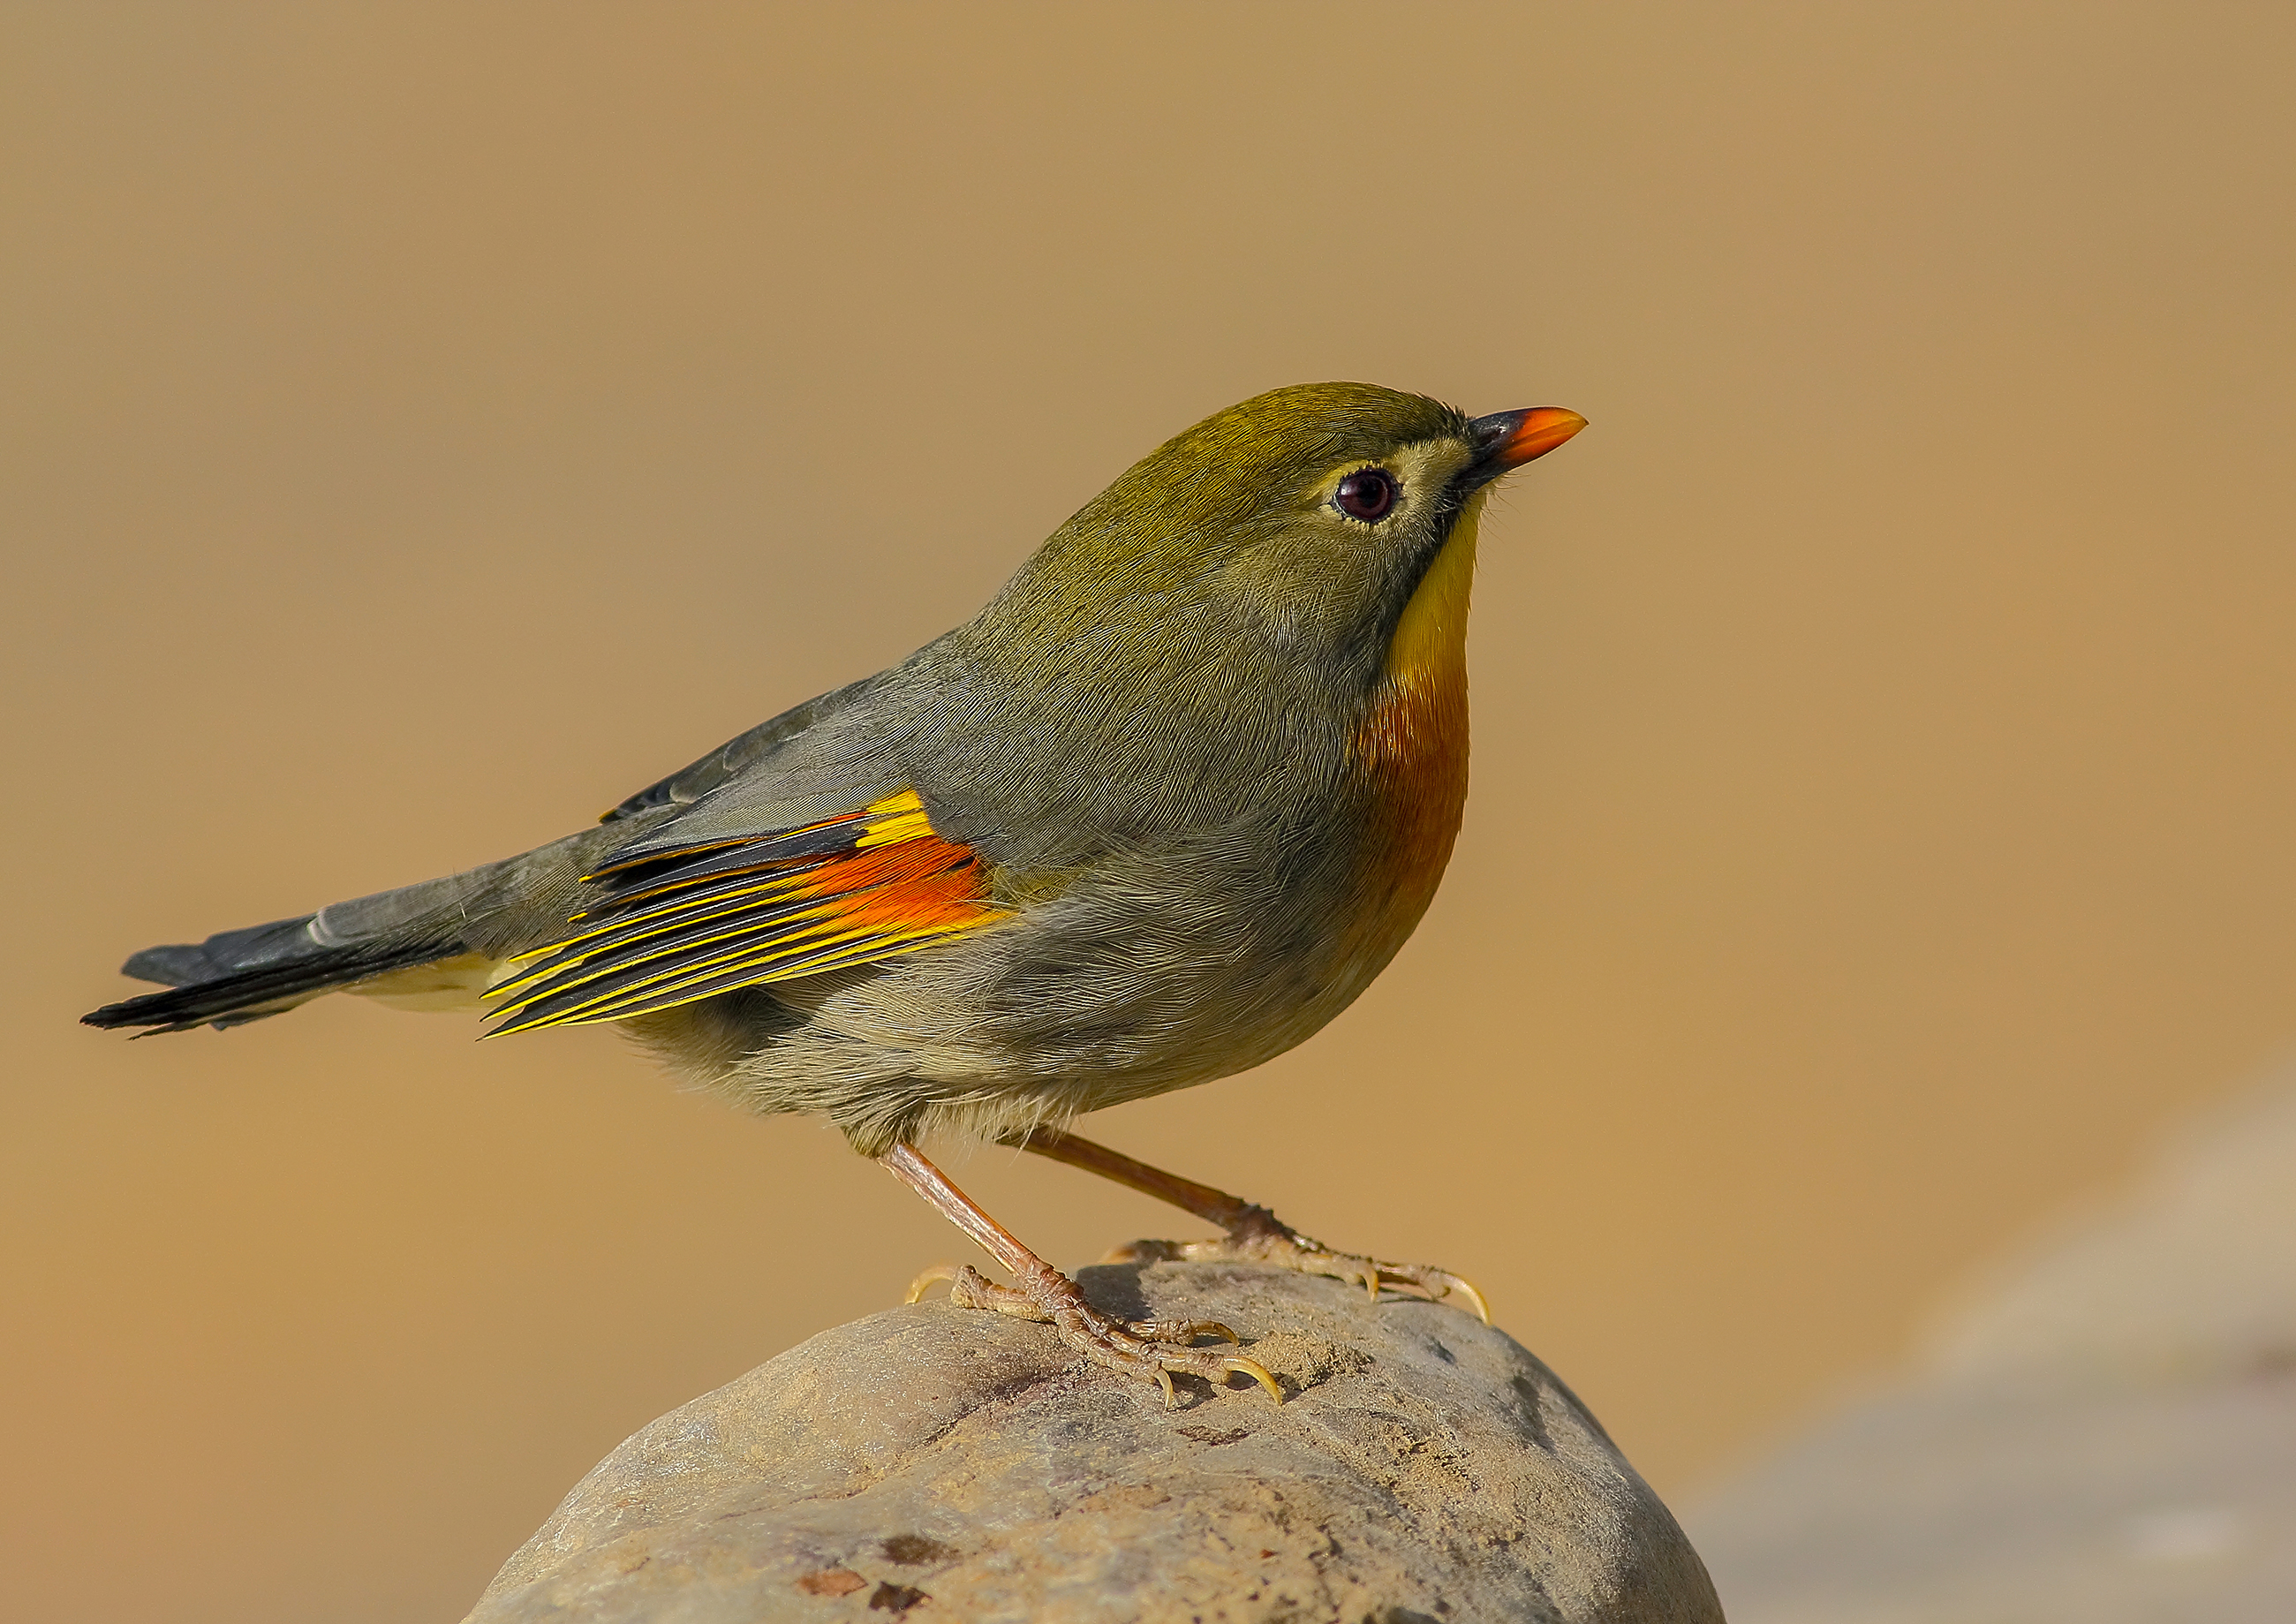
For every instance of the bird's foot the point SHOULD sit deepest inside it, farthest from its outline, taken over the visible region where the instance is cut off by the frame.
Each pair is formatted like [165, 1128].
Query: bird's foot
[1149, 1348]
[1259, 1237]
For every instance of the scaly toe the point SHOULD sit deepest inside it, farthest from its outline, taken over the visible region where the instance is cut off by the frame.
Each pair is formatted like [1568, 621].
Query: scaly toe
[1283, 1248]
[1216, 1367]
[1181, 1331]
[1153, 1349]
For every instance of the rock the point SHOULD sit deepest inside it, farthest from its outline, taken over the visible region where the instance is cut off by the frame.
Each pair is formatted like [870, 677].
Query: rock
[2103, 1433]
[1422, 1467]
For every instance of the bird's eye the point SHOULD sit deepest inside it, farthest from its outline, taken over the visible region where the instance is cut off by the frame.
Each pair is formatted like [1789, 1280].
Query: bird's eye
[1369, 494]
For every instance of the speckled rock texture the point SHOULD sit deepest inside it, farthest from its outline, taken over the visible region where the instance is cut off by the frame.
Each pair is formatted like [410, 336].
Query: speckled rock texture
[967, 1466]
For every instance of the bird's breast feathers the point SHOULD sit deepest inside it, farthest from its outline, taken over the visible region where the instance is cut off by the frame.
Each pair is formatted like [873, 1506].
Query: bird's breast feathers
[1412, 743]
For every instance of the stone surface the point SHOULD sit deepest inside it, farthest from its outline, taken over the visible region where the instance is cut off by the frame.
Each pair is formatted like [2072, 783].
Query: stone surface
[2103, 1432]
[963, 1466]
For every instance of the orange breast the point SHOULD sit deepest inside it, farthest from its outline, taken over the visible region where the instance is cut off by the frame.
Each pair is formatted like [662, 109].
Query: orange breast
[1416, 746]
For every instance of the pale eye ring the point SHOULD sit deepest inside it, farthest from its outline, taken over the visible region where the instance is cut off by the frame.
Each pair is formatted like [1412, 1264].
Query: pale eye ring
[1368, 494]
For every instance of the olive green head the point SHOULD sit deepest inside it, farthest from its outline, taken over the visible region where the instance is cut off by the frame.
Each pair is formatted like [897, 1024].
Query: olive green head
[1301, 520]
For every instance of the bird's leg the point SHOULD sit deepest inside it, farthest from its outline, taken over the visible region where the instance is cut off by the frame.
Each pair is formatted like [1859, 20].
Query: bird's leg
[1254, 1233]
[1150, 1348]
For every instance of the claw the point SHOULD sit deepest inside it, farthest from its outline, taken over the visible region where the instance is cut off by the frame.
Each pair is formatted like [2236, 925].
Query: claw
[1460, 1283]
[933, 1277]
[1236, 1365]
[1435, 1285]
[1164, 1380]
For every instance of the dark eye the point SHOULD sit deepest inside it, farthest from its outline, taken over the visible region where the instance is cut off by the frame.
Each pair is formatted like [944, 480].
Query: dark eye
[1368, 496]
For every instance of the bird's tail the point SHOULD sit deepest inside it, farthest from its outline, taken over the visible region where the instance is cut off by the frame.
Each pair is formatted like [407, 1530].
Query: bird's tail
[433, 945]
[238, 976]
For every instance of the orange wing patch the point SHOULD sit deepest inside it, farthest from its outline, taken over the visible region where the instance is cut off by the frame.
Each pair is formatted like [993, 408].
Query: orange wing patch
[686, 924]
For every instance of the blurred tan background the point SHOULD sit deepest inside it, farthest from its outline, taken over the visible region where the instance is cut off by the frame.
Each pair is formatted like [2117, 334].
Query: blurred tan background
[425, 425]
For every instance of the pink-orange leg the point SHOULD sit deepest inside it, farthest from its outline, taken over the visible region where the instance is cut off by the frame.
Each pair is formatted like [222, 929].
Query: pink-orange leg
[1151, 1348]
[1253, 1233]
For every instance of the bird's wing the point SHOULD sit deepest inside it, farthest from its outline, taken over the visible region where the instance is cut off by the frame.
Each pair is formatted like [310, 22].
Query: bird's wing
[817, 727]
[731, 895]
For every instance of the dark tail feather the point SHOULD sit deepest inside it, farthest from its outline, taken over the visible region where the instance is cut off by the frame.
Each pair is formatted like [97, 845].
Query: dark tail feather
[244, 975]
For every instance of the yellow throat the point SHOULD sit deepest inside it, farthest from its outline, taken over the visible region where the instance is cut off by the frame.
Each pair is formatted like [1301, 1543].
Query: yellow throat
[1431, 638]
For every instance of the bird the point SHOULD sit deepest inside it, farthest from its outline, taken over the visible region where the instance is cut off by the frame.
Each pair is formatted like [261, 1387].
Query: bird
[1158, 813]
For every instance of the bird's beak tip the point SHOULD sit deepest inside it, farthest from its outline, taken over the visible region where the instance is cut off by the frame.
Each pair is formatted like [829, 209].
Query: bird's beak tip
[1509, 439]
